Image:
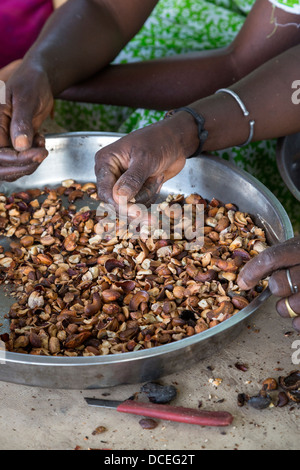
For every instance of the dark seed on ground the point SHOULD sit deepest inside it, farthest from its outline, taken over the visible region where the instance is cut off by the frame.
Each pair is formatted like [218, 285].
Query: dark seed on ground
[148, 423]
[159, 393]
[260, 402]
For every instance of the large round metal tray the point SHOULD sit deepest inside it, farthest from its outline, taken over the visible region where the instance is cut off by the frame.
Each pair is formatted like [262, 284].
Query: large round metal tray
[72, 156]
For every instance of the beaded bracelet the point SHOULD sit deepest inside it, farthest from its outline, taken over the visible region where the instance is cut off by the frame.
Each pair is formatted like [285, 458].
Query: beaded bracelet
[244, 110]
[202, 133]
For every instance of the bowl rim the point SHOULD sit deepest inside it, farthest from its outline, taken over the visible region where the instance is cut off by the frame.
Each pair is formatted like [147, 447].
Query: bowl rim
[282, 167]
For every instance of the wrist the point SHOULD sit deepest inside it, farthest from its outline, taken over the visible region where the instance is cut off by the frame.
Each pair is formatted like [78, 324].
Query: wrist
[188, 130]
[199, 121]
[39, 66]
[32, 72]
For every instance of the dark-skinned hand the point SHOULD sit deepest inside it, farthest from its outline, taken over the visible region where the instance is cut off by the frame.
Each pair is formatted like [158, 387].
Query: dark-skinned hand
[28, 102]
[274, 262]
[14, 165]
[136, 166]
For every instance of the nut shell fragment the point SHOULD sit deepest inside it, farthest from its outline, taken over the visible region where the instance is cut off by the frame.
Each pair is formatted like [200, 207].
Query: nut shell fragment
[291, 385]
[70, 242]
[35, 300]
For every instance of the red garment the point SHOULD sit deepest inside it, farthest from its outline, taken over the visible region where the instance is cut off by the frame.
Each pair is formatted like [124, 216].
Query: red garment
[20, 24]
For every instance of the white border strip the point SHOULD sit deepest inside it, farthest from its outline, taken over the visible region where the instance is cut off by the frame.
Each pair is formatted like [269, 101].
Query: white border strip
[280, 4]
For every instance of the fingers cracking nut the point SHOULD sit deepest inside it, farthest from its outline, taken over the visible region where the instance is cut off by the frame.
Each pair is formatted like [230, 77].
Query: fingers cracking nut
[83, 290]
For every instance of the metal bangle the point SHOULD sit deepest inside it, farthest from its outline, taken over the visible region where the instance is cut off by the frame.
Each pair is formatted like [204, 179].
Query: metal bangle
[244, 110]
[294, 288]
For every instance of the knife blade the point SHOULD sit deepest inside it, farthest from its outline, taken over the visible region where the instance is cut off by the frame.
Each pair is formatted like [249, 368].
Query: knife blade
[166, 412]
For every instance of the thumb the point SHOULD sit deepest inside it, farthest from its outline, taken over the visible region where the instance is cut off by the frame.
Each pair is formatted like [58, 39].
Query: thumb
[21, 127]
[130, 183]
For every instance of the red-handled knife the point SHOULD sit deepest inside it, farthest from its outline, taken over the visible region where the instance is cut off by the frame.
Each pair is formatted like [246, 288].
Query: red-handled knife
[166, 412]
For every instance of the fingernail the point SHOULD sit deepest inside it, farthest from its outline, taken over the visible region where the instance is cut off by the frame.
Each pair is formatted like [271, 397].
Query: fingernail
[125, 191]
[242, 285]
[38, 159]
[21, 142]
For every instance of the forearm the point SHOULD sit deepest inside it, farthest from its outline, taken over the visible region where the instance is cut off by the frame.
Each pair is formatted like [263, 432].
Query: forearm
[266, 93]
[83, 36]
[158, 84]
[173, 81]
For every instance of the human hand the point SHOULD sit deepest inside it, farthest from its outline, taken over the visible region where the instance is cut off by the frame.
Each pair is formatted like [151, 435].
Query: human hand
[29, 101]
[14, 165]
[136, 166]
[282, 263]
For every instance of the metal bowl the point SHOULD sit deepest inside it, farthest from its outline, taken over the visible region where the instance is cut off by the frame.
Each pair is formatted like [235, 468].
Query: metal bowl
[72, 156]
[288, 162]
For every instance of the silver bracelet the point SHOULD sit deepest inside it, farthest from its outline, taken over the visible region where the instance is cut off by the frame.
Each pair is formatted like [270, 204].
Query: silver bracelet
[244, 110]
